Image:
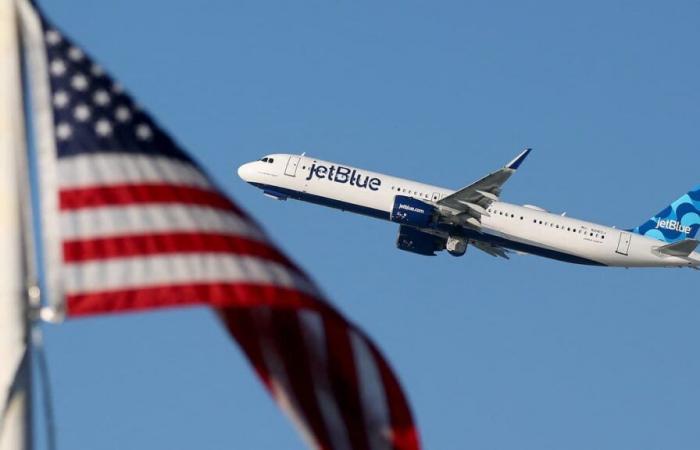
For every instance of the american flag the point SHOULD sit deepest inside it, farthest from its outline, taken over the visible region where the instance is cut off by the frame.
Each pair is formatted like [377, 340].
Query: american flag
[130, 221]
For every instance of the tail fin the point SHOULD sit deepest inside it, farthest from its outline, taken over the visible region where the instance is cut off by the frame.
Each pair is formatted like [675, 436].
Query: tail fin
[678, 221]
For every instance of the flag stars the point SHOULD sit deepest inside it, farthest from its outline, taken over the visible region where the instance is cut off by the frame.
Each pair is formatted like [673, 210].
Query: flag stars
[79, 82]
[75, 54]
[53, 37]
[57, 67]
[97, 70]
[123, 114]
[63, 131]
[103, 128]
[81, 112]
[61, 99]
[101, 97]
[144, 132]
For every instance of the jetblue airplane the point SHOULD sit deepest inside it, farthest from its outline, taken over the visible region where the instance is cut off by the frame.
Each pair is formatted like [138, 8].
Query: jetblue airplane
[432, 219]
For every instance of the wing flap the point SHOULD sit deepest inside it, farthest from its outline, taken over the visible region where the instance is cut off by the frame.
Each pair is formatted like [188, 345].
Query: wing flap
[491, 249]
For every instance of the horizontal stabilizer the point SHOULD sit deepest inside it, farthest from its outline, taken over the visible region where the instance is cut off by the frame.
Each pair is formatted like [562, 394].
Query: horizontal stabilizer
[682, 248]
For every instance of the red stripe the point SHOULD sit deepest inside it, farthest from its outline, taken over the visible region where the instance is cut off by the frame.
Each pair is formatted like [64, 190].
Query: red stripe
[168, 243]
[241, 325]
[288, 343]
[404, 434]
[342, 374]
[220, 295]
[130, 194]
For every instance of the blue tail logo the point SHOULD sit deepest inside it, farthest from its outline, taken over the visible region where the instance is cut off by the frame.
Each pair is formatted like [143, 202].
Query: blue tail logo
[678, 221]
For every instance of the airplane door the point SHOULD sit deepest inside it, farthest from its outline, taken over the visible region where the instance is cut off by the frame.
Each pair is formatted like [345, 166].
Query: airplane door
[623, 245]
[292, 165]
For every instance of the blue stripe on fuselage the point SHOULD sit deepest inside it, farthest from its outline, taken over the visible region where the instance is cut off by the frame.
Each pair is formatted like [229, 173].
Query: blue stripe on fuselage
[325, 201]
[471, 234]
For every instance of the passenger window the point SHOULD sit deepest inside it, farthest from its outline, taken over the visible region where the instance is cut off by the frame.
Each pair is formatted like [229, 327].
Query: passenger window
[521, 217]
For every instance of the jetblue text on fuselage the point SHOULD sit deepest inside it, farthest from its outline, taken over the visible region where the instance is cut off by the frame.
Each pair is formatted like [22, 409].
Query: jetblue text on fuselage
[343, 175]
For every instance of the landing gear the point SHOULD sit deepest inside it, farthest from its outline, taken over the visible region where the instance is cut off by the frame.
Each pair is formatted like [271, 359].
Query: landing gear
[456, 245]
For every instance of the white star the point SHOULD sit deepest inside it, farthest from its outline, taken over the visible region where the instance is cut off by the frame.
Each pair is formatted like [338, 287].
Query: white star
[81, 112]
[103, 128]
[144, 132]
[101, 97]
[60, 99]
[63, 131]
[79, 82]
[75, 54]
[57, 67]
[123, 114]
[97, 70]
[53, 37]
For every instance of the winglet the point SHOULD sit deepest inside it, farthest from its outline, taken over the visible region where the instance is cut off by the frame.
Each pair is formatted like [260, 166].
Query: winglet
[513, 165]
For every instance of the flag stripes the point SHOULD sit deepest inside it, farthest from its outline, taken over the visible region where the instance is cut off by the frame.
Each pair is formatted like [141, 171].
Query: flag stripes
[120, 167]
[334, 421]
[167, 243]
[134, 194]
[154, 219]
[219, 295]
[157, 270]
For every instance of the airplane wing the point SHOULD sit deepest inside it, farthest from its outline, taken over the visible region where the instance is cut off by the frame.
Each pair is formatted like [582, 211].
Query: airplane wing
[468, 204]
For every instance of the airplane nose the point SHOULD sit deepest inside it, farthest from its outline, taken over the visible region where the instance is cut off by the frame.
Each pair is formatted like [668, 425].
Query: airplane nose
[245, 171]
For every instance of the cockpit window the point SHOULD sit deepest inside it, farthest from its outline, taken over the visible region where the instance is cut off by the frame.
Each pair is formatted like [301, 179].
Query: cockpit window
[264, 160]
[271, 160]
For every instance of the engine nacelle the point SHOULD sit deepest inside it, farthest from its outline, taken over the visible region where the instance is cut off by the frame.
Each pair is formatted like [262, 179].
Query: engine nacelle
[416, 241]
[456, 245]
[410, 211]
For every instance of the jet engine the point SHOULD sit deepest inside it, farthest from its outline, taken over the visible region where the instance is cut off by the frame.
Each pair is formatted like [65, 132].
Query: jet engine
[416, 241]
[411, 211]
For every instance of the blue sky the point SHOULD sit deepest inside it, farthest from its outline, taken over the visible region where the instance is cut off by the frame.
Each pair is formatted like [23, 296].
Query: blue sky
[526, 353]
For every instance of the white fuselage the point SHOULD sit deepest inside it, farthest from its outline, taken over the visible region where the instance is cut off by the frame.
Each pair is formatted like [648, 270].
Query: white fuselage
[522, 228]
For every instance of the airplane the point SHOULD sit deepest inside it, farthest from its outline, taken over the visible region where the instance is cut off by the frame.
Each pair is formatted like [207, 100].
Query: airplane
[433, 219]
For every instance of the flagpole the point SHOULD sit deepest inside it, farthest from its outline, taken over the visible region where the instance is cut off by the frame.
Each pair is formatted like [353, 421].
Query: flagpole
[15, 375]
